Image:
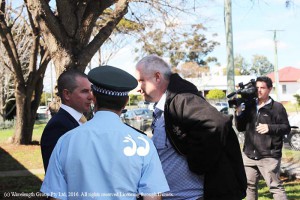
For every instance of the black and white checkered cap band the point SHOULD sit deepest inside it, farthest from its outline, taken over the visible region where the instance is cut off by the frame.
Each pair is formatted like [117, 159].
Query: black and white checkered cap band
[109, 92]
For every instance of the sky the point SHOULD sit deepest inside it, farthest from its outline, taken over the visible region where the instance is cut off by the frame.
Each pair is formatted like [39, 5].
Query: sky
[253, 32]
[251, 24]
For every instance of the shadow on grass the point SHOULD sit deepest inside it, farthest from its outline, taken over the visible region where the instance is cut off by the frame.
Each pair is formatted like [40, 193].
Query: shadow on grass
[24, 186]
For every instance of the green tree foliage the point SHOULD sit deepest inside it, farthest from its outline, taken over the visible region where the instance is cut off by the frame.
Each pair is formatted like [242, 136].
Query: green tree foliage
[261, 65]
[216, 94]
[241, 66]
[297, 96]
[192, 46]
[44, 98]
[134, 99]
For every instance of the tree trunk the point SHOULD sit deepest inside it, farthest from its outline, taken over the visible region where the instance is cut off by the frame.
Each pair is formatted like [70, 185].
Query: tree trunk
[27, 101]
[2, 100]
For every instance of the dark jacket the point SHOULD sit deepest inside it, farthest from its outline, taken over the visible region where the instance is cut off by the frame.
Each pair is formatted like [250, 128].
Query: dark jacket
[206, 137]
[58, 125]
[267, 145]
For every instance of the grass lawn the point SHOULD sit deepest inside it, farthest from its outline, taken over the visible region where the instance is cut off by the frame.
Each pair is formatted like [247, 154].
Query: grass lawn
[22, 157]
[292, 189]
[36, 135]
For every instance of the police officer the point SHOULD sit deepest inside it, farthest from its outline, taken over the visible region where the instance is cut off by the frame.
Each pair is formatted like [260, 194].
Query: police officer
[104, 157]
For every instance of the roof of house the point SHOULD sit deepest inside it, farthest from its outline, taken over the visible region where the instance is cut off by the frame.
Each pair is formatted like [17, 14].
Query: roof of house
[287, 74]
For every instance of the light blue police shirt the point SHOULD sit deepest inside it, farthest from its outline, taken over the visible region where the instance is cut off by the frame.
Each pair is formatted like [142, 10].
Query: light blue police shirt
[104, 159]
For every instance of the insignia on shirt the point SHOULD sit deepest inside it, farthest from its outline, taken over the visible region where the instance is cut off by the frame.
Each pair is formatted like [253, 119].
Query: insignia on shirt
[134, 149]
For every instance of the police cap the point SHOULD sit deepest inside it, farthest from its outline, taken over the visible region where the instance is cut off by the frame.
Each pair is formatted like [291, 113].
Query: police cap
[111, 81]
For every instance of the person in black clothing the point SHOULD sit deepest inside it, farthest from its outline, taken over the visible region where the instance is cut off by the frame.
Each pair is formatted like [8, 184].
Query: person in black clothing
[74, 89]
[187, 129]
[265, 122]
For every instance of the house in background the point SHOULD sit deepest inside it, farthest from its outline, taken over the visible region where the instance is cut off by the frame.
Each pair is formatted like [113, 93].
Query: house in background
[289, 83]
[207, 83]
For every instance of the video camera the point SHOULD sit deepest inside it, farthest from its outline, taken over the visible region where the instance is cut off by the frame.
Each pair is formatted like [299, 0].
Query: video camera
[247, 92]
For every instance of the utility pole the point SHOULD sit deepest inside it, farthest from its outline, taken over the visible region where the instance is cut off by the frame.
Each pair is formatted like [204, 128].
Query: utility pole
[276, 77]
[51, 65]
[229, 46]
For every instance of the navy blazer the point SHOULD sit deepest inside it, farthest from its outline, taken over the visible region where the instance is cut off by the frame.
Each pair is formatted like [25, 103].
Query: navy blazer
[58, 125]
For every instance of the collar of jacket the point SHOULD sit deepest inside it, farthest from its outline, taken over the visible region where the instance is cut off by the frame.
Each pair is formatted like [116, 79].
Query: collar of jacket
[267, 106]
[179, 85]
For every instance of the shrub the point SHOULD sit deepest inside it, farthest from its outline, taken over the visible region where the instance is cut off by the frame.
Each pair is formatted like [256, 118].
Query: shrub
[297, 96]
[216, 94]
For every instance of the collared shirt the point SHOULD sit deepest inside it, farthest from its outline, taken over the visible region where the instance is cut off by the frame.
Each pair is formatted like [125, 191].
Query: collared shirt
[104, 159]
[260, 106]
[74, 113]
[183, 183]
[161, 103]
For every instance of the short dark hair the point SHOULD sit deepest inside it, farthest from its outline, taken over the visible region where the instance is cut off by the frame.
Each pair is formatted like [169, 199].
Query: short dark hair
[265, 79]
[67, 80]
[116, 103]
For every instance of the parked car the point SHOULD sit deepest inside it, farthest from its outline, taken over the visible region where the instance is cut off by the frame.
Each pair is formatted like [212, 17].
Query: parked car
[143, 104]
[139, 118]
[293, 138]
[220, 105]
[224, 110]
[42, 113]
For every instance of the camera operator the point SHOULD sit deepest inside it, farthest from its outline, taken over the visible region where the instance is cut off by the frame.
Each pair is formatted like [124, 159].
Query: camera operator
[265, 122]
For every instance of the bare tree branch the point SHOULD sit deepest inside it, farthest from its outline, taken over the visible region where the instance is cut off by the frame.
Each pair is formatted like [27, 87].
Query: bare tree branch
[9, 44]
[19, 14]
[47, 21]
[104, 33]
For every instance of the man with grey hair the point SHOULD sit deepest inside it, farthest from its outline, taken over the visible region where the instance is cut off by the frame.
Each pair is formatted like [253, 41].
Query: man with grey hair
[198, 148]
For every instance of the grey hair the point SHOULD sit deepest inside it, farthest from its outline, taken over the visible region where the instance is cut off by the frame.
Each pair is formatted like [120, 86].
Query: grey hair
[154, 63]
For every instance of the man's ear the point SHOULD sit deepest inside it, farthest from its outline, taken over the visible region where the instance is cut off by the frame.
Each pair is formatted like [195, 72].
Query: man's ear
[271, 88]
[66, 94]
[157, 76]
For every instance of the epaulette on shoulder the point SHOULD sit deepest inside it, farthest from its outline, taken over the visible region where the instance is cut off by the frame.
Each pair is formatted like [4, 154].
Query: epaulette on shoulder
[136, 129]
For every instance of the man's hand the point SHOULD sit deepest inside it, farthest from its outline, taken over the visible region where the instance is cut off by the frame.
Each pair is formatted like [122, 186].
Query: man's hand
[262, 128]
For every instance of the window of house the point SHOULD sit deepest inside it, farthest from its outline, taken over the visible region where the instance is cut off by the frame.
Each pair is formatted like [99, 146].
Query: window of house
[283, 89]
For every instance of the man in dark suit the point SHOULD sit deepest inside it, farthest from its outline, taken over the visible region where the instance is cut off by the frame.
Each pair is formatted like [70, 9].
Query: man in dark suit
[74, 90]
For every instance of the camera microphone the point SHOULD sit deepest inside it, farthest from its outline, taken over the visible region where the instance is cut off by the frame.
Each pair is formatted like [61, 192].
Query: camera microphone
[231, 94]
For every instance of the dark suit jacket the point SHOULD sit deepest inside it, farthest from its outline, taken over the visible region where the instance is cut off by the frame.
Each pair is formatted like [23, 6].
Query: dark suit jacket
[58, 125]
